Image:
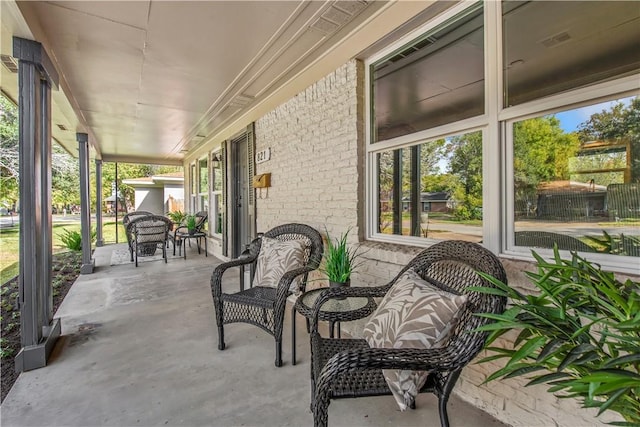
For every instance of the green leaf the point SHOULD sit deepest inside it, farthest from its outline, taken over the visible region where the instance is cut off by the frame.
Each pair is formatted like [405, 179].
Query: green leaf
[548, 378]
[622, 360]
[575, 354]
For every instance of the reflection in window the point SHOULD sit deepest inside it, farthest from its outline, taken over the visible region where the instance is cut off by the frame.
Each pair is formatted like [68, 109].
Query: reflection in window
[432, 190]
[216, 191]
[577, 179]
[424, 85]
[554, 46]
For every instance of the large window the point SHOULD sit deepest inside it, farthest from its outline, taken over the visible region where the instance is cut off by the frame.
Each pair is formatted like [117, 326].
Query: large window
[216, 192]
[422, 85]
[203, 184]
[511, 123]
[576, 179]
[432, 190]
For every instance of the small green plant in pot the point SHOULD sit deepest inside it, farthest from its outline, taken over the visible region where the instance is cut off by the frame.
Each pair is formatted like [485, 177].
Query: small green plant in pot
[579, 333]
[339, 261]
[190, 222]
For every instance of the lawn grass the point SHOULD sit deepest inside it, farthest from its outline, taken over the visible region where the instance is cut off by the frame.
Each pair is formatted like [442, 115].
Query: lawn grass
[10, 241]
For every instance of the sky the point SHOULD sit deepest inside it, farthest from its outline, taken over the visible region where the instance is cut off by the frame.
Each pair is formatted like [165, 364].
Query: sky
[571, 119]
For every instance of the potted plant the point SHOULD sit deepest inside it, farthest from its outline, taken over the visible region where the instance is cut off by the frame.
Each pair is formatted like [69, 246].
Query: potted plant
[177, 217]
[339, 261]
[579, 334]
[190, 222]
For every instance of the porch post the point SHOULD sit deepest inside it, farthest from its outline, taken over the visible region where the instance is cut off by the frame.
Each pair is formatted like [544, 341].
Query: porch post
[99, 241]
[85, 208]
[38, 330]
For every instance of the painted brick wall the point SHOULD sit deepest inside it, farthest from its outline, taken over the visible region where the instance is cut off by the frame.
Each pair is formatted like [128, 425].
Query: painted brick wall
[316, 144]
[315, 141]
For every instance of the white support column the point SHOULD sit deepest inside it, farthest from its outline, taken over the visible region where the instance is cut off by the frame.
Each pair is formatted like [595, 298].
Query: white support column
[99, 240]
[85, 207]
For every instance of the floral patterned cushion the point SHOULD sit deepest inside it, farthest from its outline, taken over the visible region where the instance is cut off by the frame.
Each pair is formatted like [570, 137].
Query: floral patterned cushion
[276, 257]
[413, 314]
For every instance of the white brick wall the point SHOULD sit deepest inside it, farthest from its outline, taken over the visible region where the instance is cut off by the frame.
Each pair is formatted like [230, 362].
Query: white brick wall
[316, 164]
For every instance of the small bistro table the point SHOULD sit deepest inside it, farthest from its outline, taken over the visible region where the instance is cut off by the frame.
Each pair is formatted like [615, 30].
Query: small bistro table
[184, 236]
[340, 310]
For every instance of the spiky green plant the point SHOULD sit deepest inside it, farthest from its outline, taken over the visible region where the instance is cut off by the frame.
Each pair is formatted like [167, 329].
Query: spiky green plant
[339, 259]
[579, 334]
[73, 239]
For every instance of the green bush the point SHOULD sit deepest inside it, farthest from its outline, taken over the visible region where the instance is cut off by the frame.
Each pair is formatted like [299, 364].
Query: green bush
[579, 334]
[73, 239]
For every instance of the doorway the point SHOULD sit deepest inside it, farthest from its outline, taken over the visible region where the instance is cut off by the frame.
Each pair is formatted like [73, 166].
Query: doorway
[243, 204]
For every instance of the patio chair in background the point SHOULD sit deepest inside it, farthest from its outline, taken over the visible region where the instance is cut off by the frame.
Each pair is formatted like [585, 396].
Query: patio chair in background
[280, 261]
[441, 274]
[174, 235]
[149, 233]
[126, 220]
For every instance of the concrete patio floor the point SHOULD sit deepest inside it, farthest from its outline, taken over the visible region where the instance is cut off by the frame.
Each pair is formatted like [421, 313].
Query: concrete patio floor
[139, 348]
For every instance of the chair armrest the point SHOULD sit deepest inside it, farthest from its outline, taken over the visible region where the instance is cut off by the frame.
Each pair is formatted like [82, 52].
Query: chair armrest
[381, 358]
[352, 291]
[216, 277]
[285, 281]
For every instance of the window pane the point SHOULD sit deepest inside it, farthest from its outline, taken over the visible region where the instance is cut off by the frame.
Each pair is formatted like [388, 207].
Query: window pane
[554, 46]
[204, 176]
[577, 179]
[444, 177]
[436, 80]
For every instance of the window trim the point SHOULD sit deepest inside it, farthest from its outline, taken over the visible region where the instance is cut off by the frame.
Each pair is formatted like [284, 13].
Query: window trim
[496, 126]
[212, 193]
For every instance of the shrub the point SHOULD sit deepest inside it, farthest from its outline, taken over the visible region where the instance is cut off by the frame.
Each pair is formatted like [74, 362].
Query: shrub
[579, 334]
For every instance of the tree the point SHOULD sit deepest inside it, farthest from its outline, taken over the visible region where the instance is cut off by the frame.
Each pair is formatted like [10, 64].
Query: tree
[541, 152]
[8, 152]
[466, 165]
[619, 122]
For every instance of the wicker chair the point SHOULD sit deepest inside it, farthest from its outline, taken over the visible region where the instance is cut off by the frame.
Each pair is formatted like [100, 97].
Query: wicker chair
[263, 306]
[126, 220]
[149, 233]
[201, 221]
[347, 368]
[547, 239]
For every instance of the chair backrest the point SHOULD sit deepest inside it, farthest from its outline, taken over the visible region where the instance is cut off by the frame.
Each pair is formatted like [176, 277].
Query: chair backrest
[201, 220]
[546, 239]
[150, 229]
[309, 235]
[134, 215]
[129, 218]
[452, 265]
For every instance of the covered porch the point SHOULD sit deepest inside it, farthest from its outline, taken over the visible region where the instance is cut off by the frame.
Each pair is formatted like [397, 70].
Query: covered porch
[139, 347]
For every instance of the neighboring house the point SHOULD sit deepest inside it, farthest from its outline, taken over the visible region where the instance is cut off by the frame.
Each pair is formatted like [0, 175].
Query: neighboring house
[158, 193]
[431, 202]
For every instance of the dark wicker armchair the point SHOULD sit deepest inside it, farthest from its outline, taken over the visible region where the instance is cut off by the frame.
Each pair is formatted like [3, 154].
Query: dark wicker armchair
[346, 368]
[149, 233]
[263, 306]
[126, 220]
[174, 237]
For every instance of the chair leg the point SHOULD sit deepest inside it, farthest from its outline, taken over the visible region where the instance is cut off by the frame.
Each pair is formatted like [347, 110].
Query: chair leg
[442, 407]
[293, 335]
[221, 345]
[278, 354]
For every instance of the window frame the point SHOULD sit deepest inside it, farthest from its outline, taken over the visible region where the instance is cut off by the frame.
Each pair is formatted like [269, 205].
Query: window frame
[496, 125]
[215, 207]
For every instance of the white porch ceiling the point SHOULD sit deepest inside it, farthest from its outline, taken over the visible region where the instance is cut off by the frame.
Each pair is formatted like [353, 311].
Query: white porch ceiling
[153, 80]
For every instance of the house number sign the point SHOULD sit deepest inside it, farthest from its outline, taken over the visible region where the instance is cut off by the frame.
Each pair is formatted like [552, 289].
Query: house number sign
[263, 156]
